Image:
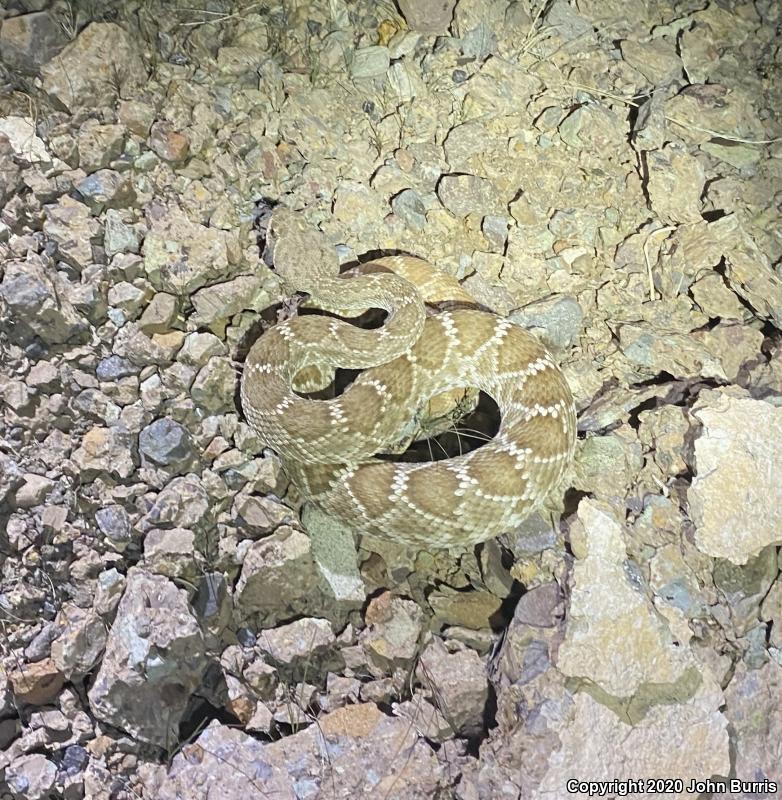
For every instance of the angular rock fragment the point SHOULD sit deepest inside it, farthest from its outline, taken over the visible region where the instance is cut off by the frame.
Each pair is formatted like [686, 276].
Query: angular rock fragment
[166, 443]
[100, 63]
[754, 734]
[394, 628]
[99, 144]
[36, 308]
[168, 143]
[359, 739]
[455, 681]
[735, 494]
[302, 649]
[106, 188]
[154, 659]
[279, 579]
[615, 638]
[31, 776]
[466, 194]
[20, 138]
[657, 60]
[599, 745]
[675, 185]
[182, 503]
[172, 552]
[36, 684]
[160, 314]
[106, 450]
[80, 641]
[29, 40]
[33, 491]
[370, 62]
[215, 385]
[260, 515]
[69, 224]
[428, 17]
[181, 256]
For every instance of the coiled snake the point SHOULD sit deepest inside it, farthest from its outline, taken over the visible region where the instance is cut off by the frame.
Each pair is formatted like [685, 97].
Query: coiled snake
[328, 447]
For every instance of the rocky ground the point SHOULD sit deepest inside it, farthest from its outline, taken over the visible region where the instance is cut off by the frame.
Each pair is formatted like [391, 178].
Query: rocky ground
[606, 173]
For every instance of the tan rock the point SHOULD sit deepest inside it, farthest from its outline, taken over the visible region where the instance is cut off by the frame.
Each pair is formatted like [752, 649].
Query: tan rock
[472, 610]
[428, 16]
[105, 450]
[614, 636]
[394, 626]
[36, 684]
[753, 699]
[101, 62]
[675, 184]
[657, 60]
[736, 496]
[168, 143]
[33, 491]
[685, 741]
[159, 314]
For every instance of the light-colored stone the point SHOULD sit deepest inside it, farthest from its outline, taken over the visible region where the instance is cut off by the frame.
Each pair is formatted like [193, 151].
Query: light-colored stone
[118, 237]
[154, 659]
[359, 739]
[279, 578]
[301, 650]
[736, 496]
[753, 700]
[675, 185]
[455, 681]
[260, 515]
[31, 777]
[734, 345]
[394, 627]
[181, 256]
[715, 298]
[36, 684]
[79, 645]
[172, 552]
[428, 16]
[159, 315]
[472, 610]
[370, 62]
[70, 225]
[657, 60]
[334, 551]
[468, 194]
[614, 636]
[100, 62]
[26, 143]
[688, 741]
[106, 450]
[99, 144]
[214, 386]
[199, 347]
[33, 491]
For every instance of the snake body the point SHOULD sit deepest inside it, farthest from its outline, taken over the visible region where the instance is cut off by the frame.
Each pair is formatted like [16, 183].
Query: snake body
[328, 447]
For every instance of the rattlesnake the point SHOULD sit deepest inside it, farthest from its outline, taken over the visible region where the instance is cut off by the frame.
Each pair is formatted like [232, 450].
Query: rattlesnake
[327, 446]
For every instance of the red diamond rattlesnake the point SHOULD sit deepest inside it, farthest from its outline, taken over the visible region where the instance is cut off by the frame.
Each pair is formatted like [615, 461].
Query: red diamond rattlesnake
[327, 446]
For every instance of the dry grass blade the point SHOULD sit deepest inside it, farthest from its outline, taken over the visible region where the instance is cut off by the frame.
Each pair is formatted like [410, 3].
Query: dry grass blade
[219, 16]
[728, 137]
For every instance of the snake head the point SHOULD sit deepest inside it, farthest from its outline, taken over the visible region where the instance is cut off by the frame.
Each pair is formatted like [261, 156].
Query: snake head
[300, 252]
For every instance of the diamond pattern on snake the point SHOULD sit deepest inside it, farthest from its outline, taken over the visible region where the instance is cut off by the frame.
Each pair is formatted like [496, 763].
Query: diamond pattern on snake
[330, 448]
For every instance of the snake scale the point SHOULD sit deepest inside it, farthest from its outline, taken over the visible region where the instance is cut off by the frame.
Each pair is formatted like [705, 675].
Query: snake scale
[329, 447]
